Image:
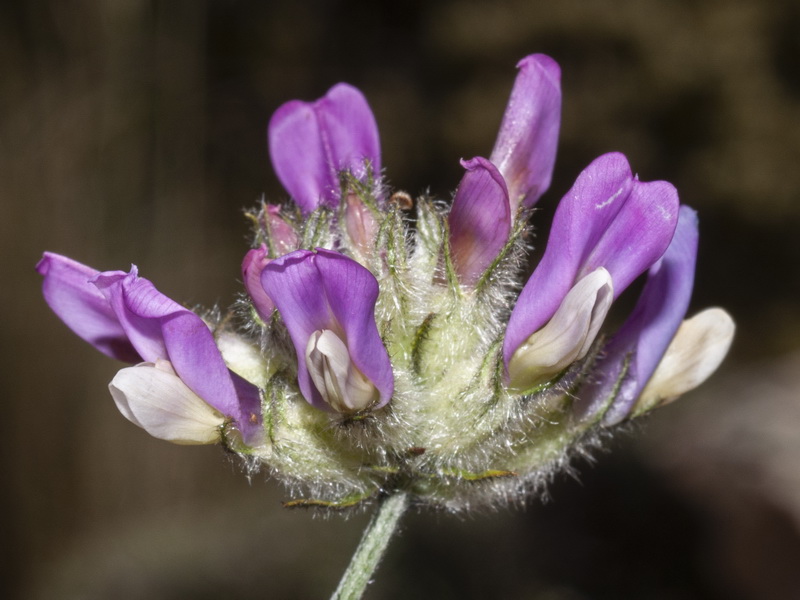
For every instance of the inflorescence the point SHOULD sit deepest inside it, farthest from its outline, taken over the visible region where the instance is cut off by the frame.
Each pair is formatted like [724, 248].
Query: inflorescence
[387, 345]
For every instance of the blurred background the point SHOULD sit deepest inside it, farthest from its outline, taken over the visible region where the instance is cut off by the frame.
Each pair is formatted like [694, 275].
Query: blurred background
[134, 131]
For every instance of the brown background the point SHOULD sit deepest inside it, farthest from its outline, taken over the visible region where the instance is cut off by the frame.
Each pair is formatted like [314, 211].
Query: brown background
[135, 132]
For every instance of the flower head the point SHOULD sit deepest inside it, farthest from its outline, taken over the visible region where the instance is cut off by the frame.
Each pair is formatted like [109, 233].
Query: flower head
[373, 356]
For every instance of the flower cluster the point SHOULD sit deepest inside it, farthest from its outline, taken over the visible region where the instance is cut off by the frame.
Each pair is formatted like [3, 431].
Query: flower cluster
[385, 344]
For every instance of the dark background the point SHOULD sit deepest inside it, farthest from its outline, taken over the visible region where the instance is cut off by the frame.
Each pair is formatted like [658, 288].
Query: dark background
[134, 131]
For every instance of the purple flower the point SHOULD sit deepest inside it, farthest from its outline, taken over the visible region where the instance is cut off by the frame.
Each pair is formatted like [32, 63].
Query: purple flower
[311, 143]
[609, 220]
[525, 150]
[642, 341]
[125, 317]
[327, 302]
[518, 171]
[480, 220]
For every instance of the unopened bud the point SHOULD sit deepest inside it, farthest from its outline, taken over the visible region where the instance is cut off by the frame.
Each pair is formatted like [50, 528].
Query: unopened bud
[361, 225]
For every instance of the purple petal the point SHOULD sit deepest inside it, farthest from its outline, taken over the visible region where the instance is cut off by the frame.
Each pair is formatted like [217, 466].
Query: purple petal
[309, 143]
[160, 328]
[608, 219]
[143, 333]
[252, 266]
[525, 150]
[298, 155]
[648, 331]
[69, 293]
[326, 290]
[349, 130]
[248, 417]
[293, 282]
[352, 291]
[480, 219]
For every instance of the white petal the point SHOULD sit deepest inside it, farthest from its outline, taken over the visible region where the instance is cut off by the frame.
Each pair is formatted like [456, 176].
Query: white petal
[698, 348]
[336, 378]
[568, 335]
[156, 399]
[242, 358]
[360, 393]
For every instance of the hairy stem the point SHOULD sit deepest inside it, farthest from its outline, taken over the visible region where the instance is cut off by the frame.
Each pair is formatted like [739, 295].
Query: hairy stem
[371, 548]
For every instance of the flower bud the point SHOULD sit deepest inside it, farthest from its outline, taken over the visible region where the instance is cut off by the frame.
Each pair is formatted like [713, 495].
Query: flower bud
[525, 150]
[281, 236]
[360, 224]
[253, 264]
[479, 221]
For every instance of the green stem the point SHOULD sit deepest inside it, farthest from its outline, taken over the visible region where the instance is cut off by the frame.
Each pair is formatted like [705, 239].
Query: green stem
[371, 548]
